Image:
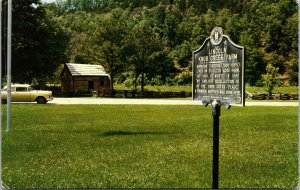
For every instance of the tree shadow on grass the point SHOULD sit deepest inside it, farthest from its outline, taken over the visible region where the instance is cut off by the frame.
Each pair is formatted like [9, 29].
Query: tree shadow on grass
[123, 133]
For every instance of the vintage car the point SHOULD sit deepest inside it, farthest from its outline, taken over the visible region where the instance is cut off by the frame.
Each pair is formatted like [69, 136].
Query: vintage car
[25, 93]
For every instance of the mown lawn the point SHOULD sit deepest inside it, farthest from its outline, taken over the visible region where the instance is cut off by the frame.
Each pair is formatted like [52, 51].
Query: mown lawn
[188, 88]
[131, 146]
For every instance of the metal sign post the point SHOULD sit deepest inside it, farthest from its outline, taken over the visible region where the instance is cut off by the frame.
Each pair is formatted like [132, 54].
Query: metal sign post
[9, 31]
[218, 79]
[216, 113]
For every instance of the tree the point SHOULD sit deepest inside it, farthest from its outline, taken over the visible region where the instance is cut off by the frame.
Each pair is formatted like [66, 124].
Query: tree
[109, 43]
[38, 43]
[269, 79]
[145, 46]
[291, 61]
[172, 20]
[267, 30]
[80, 26]
[177, 27]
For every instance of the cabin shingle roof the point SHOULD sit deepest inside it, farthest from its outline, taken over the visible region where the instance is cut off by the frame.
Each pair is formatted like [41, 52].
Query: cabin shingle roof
[86, 70]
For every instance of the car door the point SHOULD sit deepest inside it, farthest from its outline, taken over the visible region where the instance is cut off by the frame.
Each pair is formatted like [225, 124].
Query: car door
[22, 94]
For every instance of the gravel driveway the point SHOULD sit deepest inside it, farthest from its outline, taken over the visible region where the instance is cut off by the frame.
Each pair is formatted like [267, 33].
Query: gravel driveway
[153, 102]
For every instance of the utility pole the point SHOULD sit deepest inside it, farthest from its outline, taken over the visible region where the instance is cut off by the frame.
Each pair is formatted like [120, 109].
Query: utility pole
[9, 31]
[298, 1]
[1, 94]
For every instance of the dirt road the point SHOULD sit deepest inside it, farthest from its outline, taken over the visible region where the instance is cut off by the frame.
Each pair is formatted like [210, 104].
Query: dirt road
[101, 101]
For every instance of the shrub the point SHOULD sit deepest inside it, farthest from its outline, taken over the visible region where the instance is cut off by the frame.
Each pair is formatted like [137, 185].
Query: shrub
[119, 79]
[129, 83]
[269, 79]
[183, 79]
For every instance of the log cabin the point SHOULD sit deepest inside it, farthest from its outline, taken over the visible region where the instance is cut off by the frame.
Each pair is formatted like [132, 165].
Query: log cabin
[84, 78]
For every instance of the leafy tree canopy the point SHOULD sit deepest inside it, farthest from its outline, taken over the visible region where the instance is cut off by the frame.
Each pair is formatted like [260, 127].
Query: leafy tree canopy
[160, 35]
[38, 42]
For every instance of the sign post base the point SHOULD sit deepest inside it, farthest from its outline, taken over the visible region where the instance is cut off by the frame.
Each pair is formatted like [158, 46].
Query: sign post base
[216, 112]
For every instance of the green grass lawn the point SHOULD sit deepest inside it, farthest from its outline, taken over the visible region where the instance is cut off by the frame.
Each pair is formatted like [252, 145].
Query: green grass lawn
[162, 88]
[130, 146]
[188, 88]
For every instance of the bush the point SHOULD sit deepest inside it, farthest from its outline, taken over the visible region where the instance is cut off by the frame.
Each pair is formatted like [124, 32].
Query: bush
[259, 83]
[169, 81]
[294, 79]
[155, 81]
[119, 79]
[183, 79]
[129, 83]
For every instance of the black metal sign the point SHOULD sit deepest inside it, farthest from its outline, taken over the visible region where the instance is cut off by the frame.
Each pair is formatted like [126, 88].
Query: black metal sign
[218, 70]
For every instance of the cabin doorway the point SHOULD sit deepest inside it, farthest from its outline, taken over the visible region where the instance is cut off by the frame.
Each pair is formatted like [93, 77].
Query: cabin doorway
[90, 85]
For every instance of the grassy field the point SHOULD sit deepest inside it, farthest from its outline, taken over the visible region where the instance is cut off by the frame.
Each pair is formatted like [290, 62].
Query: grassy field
[130, 146]
[162, 88]
[188, 88]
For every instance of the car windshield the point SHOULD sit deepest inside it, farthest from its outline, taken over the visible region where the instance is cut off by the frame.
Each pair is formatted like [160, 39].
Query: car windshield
[30, 88]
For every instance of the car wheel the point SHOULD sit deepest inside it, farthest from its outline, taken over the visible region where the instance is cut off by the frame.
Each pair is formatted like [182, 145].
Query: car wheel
[4, 101]
[41, 100]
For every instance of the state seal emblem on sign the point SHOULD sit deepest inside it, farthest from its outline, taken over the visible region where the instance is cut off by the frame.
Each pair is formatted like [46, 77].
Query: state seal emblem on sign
[216, 36]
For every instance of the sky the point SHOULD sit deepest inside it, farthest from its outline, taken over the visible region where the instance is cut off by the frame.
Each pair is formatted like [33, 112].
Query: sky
[48, 1]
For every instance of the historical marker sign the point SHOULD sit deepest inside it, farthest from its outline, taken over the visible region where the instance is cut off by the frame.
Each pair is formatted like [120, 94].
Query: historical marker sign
[218, 70]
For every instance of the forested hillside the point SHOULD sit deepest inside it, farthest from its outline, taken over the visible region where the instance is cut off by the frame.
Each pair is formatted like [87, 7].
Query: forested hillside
[151, 42]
